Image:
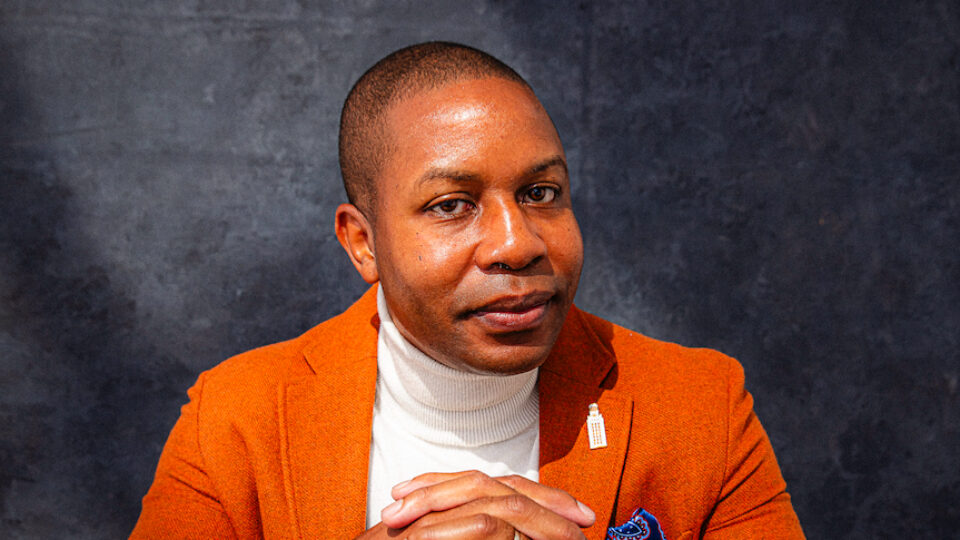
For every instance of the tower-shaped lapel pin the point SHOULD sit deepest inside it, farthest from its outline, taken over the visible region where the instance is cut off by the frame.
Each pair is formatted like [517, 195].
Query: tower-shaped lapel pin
[595, 428]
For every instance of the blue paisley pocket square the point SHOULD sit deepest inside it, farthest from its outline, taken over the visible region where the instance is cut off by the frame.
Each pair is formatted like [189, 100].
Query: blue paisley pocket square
[641, 526]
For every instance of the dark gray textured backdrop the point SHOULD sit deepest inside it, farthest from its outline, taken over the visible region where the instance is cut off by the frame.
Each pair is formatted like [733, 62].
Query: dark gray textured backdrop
[778, 180]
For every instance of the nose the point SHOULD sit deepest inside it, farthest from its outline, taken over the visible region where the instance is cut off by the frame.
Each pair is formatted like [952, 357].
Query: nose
[509, 239]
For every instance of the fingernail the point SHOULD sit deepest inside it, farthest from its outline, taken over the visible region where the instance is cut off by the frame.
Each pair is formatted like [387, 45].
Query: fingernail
[400, 485]
[586, 510]
[392, 509]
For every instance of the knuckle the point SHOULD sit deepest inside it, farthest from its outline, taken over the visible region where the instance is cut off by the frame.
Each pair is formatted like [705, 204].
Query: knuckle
[485, 525]
[422, 499]
[420, 534]
[476, 475]
[416, 497]
[477, 479]
[513, 479]
[516, 504]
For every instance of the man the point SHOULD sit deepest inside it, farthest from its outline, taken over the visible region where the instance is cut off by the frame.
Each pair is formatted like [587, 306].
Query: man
[451, 401]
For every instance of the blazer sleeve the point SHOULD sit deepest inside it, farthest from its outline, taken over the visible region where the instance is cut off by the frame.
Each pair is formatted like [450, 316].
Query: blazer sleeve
[182, 502]
[753, 501]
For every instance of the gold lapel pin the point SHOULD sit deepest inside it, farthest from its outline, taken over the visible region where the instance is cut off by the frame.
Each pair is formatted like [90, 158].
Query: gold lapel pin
[595, 428]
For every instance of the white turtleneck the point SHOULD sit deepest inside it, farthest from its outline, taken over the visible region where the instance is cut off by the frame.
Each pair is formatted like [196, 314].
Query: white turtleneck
[432, 418]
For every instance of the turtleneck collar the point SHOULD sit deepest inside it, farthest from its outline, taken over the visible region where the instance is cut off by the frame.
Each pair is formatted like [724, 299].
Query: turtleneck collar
[446, 406]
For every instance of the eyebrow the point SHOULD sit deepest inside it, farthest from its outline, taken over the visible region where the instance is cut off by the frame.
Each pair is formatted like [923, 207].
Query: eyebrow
[440, 173]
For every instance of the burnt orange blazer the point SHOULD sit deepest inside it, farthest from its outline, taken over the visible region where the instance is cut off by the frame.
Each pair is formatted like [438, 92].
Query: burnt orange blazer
[274, 442]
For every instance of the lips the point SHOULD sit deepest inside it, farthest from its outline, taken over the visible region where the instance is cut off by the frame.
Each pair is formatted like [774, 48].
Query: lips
[515, 313]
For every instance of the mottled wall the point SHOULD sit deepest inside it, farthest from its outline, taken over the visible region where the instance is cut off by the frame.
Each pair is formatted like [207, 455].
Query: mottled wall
[778, 180]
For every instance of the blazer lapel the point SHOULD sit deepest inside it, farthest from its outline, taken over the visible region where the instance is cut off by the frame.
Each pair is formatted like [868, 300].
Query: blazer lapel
[569, 382]
[325, 423]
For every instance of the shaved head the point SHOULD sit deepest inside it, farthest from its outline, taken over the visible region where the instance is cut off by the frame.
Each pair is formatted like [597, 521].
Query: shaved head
[364, 144]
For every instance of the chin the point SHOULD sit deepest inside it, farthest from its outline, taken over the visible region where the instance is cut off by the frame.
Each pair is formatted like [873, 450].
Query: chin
[497, 354]
[509, 354]
[509, 360]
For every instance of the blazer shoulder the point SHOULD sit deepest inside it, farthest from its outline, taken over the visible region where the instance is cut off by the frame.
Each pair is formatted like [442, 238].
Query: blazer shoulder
[253, 378]
[266, 364]
[291, 359]
[247, 385]
[649, 365]
[636, 348]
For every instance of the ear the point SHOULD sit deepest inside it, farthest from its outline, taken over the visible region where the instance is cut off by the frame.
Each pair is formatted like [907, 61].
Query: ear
[356, 236]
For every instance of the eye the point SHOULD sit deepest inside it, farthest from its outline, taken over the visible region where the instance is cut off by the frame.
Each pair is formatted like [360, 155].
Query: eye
[450, 207]
[541, 194]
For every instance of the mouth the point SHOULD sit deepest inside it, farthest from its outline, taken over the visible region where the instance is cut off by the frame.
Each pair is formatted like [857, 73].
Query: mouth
[515, 313]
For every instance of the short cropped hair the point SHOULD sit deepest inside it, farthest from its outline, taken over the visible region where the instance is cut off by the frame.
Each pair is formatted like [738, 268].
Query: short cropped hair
[363, 144]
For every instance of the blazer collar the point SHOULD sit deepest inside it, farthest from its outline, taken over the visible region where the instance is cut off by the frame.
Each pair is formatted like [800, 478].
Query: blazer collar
[326, 420]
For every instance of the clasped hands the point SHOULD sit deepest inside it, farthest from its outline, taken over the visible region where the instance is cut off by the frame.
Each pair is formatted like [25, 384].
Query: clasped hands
[472, 505]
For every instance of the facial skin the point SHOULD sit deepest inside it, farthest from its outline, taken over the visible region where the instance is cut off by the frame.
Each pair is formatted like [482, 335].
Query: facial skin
[474, 240]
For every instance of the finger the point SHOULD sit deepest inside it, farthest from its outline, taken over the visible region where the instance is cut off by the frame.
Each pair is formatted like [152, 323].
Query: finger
[522, 513]
[555, 499]
[432, 492]
[401, 490]
[441, 492]
[468, 527]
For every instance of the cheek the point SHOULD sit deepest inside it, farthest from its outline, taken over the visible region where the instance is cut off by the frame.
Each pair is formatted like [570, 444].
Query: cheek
[435, 262]
[436, 254]
[567, 247]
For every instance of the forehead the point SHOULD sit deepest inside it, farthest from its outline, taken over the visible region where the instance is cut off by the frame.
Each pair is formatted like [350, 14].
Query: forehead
[492, 90]
[480, 122]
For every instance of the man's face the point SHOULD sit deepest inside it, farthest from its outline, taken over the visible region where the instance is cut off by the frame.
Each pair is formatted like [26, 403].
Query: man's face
[476, 245]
